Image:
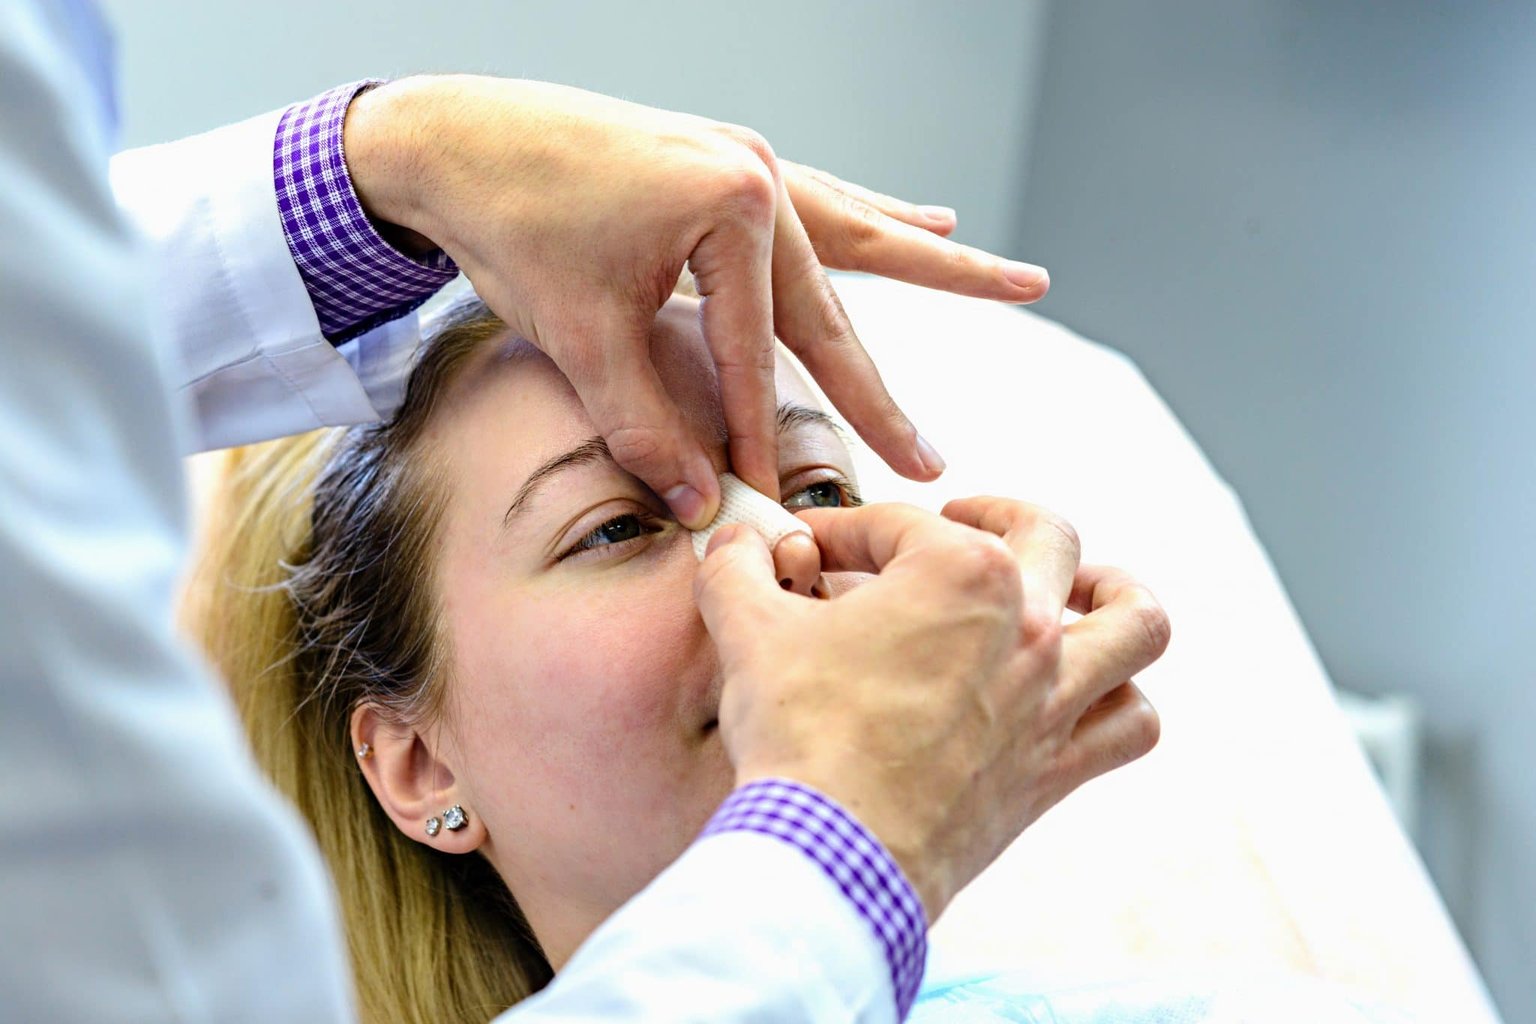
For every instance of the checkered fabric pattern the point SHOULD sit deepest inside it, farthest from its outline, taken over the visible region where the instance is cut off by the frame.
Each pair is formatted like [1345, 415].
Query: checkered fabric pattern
[355, 278]
[851, 857]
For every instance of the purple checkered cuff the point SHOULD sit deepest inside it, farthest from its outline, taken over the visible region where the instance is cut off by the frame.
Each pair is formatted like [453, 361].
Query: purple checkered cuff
[851, 857]
[355, 278]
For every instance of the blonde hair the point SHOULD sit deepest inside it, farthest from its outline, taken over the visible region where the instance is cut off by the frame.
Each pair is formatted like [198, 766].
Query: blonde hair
[312, 595]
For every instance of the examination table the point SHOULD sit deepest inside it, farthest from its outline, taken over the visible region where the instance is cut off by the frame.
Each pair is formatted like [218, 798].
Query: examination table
[1255, 839]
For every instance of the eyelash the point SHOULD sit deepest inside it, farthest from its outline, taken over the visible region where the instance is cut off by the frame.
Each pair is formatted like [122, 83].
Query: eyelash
[848, 495]
[651, 524]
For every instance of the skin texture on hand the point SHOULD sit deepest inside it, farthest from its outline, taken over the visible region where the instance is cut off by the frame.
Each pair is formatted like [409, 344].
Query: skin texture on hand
[942, 702]
[574, 214]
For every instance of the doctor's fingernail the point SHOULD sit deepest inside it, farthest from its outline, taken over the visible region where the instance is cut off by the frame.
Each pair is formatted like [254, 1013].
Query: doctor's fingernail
[1027, 275]
[687, 504]
[933, 462]
[939, 213]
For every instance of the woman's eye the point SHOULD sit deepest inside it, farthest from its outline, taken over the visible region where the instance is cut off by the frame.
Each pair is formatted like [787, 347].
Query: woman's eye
[827, 494]
[617, 530]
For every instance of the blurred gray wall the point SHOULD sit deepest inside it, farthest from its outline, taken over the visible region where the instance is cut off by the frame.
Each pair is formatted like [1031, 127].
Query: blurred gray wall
[1313, 224]
[882, 92]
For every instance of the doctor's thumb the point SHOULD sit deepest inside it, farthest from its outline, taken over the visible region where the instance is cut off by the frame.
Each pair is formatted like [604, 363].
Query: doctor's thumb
[736, 587]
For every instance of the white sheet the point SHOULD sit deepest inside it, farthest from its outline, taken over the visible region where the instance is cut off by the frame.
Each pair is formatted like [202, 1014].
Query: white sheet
[1254, 838]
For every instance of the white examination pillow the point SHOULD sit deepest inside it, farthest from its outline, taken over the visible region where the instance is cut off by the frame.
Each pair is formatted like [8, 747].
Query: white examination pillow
[1254, 838]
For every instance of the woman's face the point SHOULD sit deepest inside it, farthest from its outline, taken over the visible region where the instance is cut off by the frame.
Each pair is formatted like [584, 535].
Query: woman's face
[579, 721]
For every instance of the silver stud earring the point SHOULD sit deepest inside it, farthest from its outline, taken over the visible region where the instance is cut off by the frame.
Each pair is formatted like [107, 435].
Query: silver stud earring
[454, 818]
[434, 826]
[364, 751]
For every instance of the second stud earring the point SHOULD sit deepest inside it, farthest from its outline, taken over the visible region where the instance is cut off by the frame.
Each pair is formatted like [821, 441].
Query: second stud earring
[434, 826]
[454, 818]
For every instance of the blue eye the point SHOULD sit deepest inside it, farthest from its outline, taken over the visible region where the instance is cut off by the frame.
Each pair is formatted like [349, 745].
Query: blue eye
[826, 494]
[618, 530]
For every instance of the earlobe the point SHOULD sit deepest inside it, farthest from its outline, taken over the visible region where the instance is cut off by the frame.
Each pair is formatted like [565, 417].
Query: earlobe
[412, 783]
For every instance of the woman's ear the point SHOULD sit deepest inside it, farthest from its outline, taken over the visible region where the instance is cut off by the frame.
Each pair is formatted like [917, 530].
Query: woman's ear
[413, 784]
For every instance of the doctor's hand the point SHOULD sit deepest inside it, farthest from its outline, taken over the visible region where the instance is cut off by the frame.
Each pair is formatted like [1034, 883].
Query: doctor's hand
[573, 215]
[943, 702]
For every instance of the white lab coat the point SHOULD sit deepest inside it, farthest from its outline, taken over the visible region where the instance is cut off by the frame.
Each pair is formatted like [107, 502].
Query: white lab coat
[147, 872]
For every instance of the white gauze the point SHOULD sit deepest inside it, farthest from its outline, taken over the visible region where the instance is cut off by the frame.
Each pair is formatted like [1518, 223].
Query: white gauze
[741, 504]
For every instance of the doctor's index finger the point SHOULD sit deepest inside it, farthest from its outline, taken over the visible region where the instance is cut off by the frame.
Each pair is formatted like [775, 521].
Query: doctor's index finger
[899, 541]
[1046, 546]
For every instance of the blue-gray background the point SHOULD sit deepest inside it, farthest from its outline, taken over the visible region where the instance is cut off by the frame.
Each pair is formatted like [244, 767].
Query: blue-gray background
[1312, 223]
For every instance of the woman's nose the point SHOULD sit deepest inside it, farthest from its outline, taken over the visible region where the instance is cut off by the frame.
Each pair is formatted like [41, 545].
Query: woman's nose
[797, 562]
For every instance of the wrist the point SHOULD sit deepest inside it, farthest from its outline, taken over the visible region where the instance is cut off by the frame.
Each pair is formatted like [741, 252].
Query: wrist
[356, 278]
[381, 138]
[929, 882]
[851, 857]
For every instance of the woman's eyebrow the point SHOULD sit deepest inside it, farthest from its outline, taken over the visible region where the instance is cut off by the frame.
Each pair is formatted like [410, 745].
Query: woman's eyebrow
[792, 416]
[595, 449]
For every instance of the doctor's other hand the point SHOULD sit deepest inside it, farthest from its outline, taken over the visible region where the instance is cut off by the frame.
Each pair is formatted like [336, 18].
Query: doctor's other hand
[573, 214]
[942, 702]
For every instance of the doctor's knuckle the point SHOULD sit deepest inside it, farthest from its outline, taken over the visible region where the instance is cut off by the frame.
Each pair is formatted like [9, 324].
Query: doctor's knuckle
[1150, 621]
[1146, 728]
[860, 228]
[1068, 533]
[746, 359]
[638, 446]
[959, 261]
[1042, 630]
[826, 310]
[1135, 737]
[751, 141]
[987, 566]
[748, 192]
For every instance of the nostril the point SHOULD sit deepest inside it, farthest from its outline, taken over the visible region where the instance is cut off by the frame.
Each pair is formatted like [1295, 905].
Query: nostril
[796, 563]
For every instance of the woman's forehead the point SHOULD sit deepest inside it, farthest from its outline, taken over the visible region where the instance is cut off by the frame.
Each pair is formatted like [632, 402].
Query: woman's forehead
[513, 372]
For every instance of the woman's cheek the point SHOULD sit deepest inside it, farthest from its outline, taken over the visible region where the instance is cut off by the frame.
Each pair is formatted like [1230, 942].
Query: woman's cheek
[601, 673]
[615, 657]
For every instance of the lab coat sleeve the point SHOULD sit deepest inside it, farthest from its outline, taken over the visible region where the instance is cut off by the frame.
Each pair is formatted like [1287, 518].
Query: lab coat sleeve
[741, 928]
[245, 343]
[147, 871]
